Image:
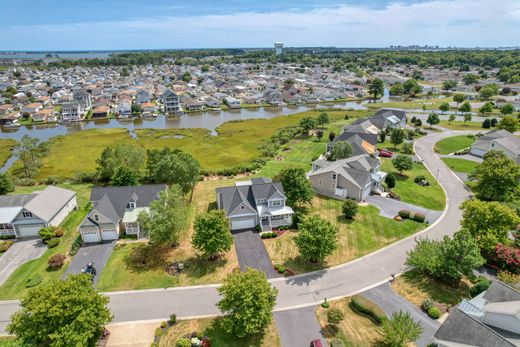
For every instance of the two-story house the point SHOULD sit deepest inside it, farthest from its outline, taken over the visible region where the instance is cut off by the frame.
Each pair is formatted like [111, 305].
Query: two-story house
[115, 210]
[352, 178]
[171, 102]
[24, 215]
[72, 111]
[83, 97]
[143, 96]
[258, 201]
[498, 140]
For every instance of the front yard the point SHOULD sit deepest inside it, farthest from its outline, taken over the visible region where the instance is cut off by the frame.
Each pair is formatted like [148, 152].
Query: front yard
[366, 233]
[453, 144]
[461, 165]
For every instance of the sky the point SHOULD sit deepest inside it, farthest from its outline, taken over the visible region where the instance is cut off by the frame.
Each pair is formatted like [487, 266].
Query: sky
[161, 24]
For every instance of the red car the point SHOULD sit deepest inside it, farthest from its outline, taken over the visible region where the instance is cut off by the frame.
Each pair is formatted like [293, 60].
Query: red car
[316, 343]
[385, 153]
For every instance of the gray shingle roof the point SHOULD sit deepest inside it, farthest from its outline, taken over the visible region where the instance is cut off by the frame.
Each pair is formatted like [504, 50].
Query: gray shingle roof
[355, 169]
[15, 200]
[49, 202]
[499, 292]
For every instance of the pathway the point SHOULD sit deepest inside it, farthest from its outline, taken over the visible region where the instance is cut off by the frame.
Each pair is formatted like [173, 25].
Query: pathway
[19, 253]
[298, 327]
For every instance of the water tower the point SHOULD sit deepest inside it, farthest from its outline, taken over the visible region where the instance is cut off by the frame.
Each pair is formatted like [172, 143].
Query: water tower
[278, 48]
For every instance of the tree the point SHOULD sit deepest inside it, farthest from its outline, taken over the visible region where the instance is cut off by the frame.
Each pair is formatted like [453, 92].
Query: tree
[465, 108]
[316, 239]
[444, 107]
[397, 89]
[334, 316]
[470, 78]
[205, 68]
[397, 136]
[319, 134]
[125, 176]
[451, 118]
[433, 119]
[6, 184]
[332, 136]
[449, 85]
[323, 119]
[390, 180]
[400, 330]
[349, 208]
[30, 151]
[507, 109]
[509, 123]
[486, 108]
[307, 124]
[402, 163]
[488, 222]
[412, 87]
[247, 302]
[166, 217]
[458, 98]
[125, 155]
[497, 178]
[186, 77]
[173, 167]
[486, 124]
[212, 236]
[341, 150]
[376, 88]
[488, 91]
[136, 109]
[61, 313]
[296, 186]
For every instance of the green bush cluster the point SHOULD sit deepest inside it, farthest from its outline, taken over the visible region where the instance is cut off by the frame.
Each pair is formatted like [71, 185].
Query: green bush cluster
[415, 216]
[434, 312]
[419, 179]
[183, 342]
[269, 235]
[4, 245]
[368, 307]
[53, 242]
[481, 285]
[280, 268]
[76, 245]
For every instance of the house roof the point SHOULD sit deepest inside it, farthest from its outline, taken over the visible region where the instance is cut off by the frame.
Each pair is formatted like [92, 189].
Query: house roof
[49, 202]
[8, 214]
[355, 169]
[499, 292]
[15, 200]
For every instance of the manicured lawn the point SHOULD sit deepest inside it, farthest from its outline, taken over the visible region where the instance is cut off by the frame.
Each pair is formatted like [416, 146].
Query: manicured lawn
[460, 165]
[460, 125]
[124, 271]
[416, 288]
[354, 330]
[431, 104]
[6, 145]
[15, 287]
[210, 327]
[453, 144]
[431, 197]
[366, 233]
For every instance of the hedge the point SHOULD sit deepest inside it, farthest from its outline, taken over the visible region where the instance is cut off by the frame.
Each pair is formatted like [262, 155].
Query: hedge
[368, 307]
[434, 312]
[404, 214]
[419, 217]
[53, 242]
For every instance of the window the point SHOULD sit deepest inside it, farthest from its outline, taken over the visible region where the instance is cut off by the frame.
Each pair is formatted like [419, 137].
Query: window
[242, 207]
[27, 214]
[131, 205]
[276, 203]
[320, 183]
[96, 217]
[333, 176]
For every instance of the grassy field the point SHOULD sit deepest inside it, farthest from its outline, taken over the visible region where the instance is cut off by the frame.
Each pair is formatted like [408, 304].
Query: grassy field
[211, 328]
[354, 330]
[460, 125]
[453, 144]
[460, 165]
[121, 273]
[431, 197]
[15, 287]
[366, 233]
[416, 287]
[6, 145]
[430, 104]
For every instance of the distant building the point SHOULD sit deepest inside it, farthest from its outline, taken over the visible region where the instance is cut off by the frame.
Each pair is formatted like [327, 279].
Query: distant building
[171, 102]
[278, 48]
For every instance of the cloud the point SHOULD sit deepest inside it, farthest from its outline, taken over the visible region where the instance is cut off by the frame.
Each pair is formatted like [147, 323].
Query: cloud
[440, 22]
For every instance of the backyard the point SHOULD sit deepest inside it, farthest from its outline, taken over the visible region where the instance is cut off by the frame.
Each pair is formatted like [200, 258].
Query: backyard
[461, 165]
[454, 144]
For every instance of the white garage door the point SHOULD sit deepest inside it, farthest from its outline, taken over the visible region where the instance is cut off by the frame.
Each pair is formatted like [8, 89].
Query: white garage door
[109, 234]
[29, 230]
[477, 152]
[90, 236]
[242, 223]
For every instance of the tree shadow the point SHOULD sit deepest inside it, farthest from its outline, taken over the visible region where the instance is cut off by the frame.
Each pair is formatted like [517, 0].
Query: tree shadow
[219, 337]
[197, 266]
[147, 257]
[330, 331]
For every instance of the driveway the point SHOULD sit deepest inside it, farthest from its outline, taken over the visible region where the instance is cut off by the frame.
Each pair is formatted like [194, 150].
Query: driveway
[391, 303]
[298, 327]
[97, 254]
[390, 207]
[251, 252]
[20, 252]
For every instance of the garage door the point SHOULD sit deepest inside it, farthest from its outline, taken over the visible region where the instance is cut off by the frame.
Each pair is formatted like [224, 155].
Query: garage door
[29, 230]
[477, 152]
[109, 234]
[90, 236]
[242, 223]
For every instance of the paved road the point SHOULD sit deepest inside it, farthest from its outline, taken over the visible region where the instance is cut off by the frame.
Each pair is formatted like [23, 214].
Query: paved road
[20, 252]
[97, 254]
[390, 207]
[297, 328]
[307, 289]
[391, 303]
[251, 252]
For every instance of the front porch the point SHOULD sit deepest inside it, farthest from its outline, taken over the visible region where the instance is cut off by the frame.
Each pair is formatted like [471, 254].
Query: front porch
[270, 222]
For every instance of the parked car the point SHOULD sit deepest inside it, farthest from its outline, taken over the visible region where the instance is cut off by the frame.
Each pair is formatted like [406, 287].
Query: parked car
[385, 153]
[316, 343]
[91, 270]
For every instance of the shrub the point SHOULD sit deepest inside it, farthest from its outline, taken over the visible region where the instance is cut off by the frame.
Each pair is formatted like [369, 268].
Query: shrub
[7, 237]
[508, 277]
[183, 342]
[4, 245]
[434, 312]
[280, 268]
[158, 332]
[47, 233]
[407, 148]
[419, 217]
[335, 342]
[482, 285]
[297, 217]
[173, 319]
[508, 258]
[390, 180]
[334, 316]
[53, 242]
[59, 232]
[427, 304]
[419, 179]
[368, 307]
[78, 242]
[405, 214]
[258, 228]
[52, 180]
[33, 281]
[56, 261]
[349, 208]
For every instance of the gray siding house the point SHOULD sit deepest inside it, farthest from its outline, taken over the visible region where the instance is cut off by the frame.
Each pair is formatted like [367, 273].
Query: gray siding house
[116, 209]
[171, 102]
[352, 178]
[499, 140]
[24, 215]
[256, 202]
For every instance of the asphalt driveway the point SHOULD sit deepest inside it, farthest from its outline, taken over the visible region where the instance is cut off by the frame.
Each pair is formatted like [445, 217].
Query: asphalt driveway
[390, 207]
[298, 327]
[97, 254]
[19, 253]
[391, 303]
[251, 252]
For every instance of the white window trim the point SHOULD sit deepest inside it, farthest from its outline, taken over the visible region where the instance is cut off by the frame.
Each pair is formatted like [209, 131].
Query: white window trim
[276, 203]
[27, 214]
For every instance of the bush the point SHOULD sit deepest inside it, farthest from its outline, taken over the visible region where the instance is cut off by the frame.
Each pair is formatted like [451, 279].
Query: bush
[334, 316]
[47, 233]
[349, 208]
[56, 261]
[158, 332]
[335, 342]
[4, 245]
[419, 217]
[173, 319]
[53, 243]
[405, 214]
[33, 281]
[78, 242]
[7, 237]
[390, 180]
[419, 179]
[280, 268]
[508, 277]
[52, 180]
[427, 304]
[297, 217]
[482, 285]
[268, 235]
[434, 312]
[407, 148]
[368, 307]
[183, 342]
[59, 232]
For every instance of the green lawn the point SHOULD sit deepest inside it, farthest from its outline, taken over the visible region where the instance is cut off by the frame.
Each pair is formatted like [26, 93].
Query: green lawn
[6, 146]
[431, 197]
[460, 165]
[460, 125]
[366, 233]
[9, 342]
[15, 287]
[453, 144]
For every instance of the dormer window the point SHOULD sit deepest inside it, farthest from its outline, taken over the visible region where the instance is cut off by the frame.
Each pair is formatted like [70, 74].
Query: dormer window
[277, 203]
[333, 176]
[131, 205]
[27, 214]
[96, 218]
